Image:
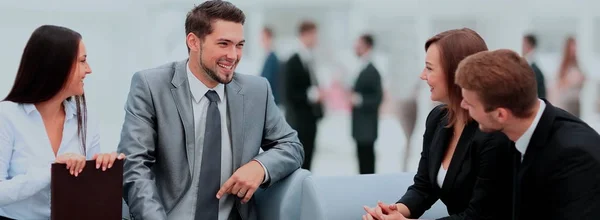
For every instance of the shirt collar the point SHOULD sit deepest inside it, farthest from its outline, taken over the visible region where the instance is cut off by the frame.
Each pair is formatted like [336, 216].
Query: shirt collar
[523, 141]
[364, 60]
[530, 57]
[198, 89]
[304, 52]
[70, 108]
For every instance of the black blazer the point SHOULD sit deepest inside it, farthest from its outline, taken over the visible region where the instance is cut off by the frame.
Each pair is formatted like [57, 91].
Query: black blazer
[478, 182]
[300, 112]
[559, 177]
[539, 78]
[365, 117]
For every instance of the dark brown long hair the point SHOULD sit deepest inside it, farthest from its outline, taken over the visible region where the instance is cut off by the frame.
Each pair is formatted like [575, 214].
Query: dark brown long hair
[454, 46]
[46, 65]
[568, 59]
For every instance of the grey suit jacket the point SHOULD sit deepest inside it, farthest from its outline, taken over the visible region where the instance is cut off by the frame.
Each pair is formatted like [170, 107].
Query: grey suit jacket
[158, 138]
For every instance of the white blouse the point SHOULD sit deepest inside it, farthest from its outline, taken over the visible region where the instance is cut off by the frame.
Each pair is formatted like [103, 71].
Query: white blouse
[26, 156]
[441, 176]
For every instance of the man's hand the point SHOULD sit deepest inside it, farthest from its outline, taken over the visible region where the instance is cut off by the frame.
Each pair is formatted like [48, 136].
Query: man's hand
[315, 94]
[106, 160]
[356, 99]
[244, 182]
[383, 212]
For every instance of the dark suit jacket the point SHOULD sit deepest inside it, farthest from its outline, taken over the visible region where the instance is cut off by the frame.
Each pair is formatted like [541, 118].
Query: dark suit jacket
[539, 77]
[559, 177]
[300, 112]
[271, 72]
[365, 117]
[478, 182]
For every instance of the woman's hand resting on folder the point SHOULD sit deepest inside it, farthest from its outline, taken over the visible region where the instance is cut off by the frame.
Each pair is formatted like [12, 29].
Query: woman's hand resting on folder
[106, 160]
[75, 162]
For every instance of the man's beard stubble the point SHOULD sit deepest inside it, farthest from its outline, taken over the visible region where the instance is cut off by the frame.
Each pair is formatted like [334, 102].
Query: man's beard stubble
[211, 73]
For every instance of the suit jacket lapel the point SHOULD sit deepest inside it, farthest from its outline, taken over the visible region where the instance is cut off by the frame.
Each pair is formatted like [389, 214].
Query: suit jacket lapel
[462, 147]
[516, 200]
[235, 108]
[364, 74]
[437, 149]
[183, 101]
[538, 140]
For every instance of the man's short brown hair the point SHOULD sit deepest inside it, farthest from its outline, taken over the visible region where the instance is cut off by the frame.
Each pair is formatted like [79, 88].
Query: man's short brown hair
[200, 19]
[268, 31]
[501, 79]
[368, 40]
[306, 26]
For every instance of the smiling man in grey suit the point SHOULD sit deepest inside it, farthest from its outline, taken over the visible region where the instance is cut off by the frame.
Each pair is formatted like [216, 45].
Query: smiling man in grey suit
[193, 129]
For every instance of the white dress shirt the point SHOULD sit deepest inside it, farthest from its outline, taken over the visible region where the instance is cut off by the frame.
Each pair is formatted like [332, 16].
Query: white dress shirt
[26, 156]
[306, 56]
[530, 57]
[523, 141]
[186, 209]
[307, 59]
[364, 62]
[441, 176]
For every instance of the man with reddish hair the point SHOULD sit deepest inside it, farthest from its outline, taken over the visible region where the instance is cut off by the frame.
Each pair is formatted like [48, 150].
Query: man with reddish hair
[556, 155]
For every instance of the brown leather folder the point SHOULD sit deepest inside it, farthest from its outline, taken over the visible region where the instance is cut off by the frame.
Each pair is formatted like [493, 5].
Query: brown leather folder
[93, 194]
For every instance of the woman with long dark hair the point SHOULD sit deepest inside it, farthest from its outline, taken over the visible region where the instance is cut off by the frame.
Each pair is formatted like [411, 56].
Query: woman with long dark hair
[43, 120]
[570, 80]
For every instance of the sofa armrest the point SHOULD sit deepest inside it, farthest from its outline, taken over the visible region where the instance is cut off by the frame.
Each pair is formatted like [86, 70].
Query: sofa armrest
[125, 211]
[283, 199]
[343, 197]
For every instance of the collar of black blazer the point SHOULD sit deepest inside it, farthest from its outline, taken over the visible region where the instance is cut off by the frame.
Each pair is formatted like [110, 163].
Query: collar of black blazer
[541, 134]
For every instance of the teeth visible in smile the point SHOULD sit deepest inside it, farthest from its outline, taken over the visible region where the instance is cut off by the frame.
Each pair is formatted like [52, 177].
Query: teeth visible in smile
[224, 66]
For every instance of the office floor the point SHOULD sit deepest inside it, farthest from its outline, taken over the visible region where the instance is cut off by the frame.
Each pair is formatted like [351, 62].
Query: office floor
[335, 152]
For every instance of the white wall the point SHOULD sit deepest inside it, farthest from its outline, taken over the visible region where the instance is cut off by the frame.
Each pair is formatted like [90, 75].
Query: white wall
[126, 36]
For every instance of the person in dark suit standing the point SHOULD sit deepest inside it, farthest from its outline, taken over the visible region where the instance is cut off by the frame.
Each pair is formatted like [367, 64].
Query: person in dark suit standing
[556, 155]
[366, 98]
[303, 97]
[468, 170]
[271, 66]
[528, 51]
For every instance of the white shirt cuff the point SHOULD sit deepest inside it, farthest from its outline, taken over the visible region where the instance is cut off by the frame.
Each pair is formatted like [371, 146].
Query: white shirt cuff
[313, 94]
[266, 179]
[357, 99]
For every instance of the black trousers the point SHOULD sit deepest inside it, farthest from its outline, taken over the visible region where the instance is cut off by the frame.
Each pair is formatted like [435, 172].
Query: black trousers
[5, 218]
[235, 215]
[307, 134]
[366, 157]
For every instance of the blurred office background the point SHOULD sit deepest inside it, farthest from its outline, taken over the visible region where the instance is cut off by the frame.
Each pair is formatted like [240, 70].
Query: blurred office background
[124, 36]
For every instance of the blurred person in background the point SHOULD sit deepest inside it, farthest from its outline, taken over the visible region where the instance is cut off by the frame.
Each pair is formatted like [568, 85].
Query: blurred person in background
[271, 66]
[303, 98]
[366, 98]
[528, 51]
[570, 80]
[44, 120]
[467, 169]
